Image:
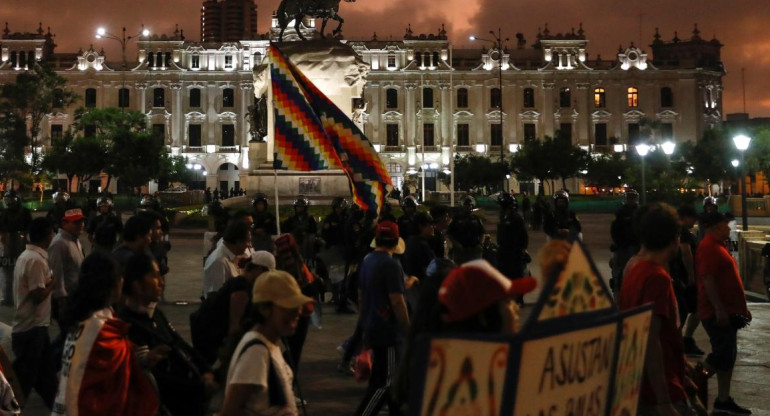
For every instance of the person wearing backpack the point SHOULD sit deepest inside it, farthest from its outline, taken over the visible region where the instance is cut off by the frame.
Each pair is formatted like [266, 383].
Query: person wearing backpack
[259, 381]
[230, 304]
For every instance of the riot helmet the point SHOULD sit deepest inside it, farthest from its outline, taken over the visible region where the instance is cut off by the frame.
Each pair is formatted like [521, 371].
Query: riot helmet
[259, 198]
[561, 199]
[632, 197]
[469, 203]
[409, 202]
[11, 199]
[506, 201]
[61, 197]
[339, 202]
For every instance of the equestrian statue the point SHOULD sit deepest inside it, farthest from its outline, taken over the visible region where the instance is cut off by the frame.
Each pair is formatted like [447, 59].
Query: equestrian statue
[317, 9]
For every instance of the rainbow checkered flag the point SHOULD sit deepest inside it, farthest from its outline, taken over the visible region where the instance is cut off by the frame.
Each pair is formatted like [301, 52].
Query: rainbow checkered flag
[312, 133]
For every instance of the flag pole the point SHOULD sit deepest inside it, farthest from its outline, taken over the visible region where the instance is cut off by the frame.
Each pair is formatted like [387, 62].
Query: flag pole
[277, 205]
[451, 133]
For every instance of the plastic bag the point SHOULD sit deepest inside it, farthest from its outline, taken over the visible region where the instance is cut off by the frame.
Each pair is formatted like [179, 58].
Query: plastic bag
[362, 370]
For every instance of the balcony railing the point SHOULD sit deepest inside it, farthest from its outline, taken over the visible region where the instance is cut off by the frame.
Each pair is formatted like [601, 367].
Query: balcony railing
[193, 149]
[229, 149]
[393, 149]
[464, 148]
[428, 149]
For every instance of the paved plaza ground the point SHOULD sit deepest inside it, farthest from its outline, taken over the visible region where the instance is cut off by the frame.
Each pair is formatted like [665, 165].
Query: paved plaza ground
[329, 393]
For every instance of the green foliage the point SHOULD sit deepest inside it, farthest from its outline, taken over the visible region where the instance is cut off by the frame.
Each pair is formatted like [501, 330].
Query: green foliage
[758, 154]
[476, 171]
[549, 159]
[606, 170]
[135, 157]
[13, 139]
[710, 157]
[79, 156]
[174, 169]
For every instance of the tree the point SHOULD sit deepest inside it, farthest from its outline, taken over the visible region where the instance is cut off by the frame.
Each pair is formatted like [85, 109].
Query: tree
[174, 169]
[567, 160]
[35, 94]
[13, 140]
[476, 171]
[135, 157]
[758, 154]
[606, 170]
[74, 156]
[710, 157]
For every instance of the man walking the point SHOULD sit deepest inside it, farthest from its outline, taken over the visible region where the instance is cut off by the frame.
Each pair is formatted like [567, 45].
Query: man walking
[64, 257]
[383, 315]
[32, 287]
[721, 307]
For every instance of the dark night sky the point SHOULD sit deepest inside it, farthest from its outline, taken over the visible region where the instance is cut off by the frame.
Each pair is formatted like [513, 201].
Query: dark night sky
[741, 25]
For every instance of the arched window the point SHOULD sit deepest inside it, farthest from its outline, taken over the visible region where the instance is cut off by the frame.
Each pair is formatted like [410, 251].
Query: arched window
[195, 97]
[666, 97]
[13, 59]
[158, 97]
[418, 58]
[495, 98]
[159, 59]
[151, 59]
[529, 98]
[195, 61]
[565, 98]
[391, 98]
[462, 98]
[391, 60]
[426, 59]
[90, 98]
[167, 63]
[435, 58]
[633, 97]
[22, 59]
[427, 97]
[600, 100]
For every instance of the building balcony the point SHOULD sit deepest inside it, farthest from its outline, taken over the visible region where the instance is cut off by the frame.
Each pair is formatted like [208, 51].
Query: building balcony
[229, 149]
[428, 149]
[463, 149]
[193, 149]
[393, 149]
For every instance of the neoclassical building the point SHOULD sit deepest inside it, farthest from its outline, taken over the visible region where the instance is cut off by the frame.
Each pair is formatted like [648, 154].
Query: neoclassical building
[424, 99]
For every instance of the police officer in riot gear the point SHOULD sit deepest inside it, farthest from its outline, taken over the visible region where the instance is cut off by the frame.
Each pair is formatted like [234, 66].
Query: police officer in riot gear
[265, 225]
[303, 227]
[625, 242]
[152, 203]
[333, 234]
[406, 220]
[14, 223]
[512, 238]
[562, 222]
[61, 203]
[466, 233]
[103, 229]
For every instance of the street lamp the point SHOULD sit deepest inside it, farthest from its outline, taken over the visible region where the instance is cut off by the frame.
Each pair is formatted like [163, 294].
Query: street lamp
[742, 143]
[499, 43]
[642, 150]
[668, 147]
[102, 33]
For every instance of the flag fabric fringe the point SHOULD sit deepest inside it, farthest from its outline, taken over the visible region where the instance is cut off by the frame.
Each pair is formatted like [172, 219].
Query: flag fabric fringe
[312, 133]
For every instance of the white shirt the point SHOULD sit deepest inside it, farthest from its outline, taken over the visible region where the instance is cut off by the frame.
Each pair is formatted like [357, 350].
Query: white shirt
[65, 257]
[220, 266]
[31, 272]
[252, 367]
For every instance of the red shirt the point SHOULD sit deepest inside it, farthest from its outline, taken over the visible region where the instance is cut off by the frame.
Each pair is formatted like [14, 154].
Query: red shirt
[644, 283]
[712, 258]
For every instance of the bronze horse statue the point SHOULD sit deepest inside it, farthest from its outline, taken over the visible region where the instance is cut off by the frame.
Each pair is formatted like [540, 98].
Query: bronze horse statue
[319, 9]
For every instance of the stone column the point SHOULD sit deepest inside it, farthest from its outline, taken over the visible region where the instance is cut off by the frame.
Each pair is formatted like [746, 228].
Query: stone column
[548, 109]
[446, 120]
[177, 125]
[411, 121]
[141, 88]
[247, 94]
[583, 127]
[372, 92]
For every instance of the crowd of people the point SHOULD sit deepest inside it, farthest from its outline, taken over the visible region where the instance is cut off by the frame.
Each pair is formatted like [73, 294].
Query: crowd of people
[427, 271]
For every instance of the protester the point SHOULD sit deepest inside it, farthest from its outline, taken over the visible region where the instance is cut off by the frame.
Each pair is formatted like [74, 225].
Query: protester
[65, 255]
[265, 226]
[333, 253]
[32, 287]
[159, 246]
[441, 221]
[259, 381]
[185, 382]
[14, 223]
[418, 253]
[229, 304]
[406, 221]
[625, 242]
[685, 285]
[647, 281]
[100, 374]
[383, 315]
[721, 307]
[466, 233]
[137, 236]
[221, 265]
[303, 227]
[512, 239]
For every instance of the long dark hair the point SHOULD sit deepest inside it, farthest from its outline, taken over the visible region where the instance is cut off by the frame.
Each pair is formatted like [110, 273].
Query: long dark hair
[99, 275]
[137, 266]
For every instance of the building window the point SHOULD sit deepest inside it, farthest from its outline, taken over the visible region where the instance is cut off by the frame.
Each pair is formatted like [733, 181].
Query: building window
[418, 58]
[667, 131]
[57, 131]
[89, 130]
[394, 168]
[633, 133]
[600, 99]
[496, 134]
[565, 98]
[194, 135]
[529, 98]
[158, 97]
[151, 59]
[427, 134]
[228, 61]
[462, 98]
[530, 131]
[600, 134]
[159, 59]
[565, 132]
[391, 61]
[228, 98]
[426, 59]
[159, 132]
[58, 98]
[391, 134]
[195, 62]
[666, 97]
[124, 98]
[463, 135]
[22, 59]
[391, 98]
[90, 97]
[427, 97]
[495, 98]
[195, 97]
[167, 61]
[435, 58]
[13, 59]
[633, 97]
[228, 135]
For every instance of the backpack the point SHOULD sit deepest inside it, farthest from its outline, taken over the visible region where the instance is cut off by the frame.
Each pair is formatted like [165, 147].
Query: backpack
[209, 323]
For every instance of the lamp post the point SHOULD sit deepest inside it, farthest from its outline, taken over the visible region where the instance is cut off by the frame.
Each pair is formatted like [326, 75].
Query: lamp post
[742, 143]
[102, 33]
[642, 150]
[668, 147]
[498, 42]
